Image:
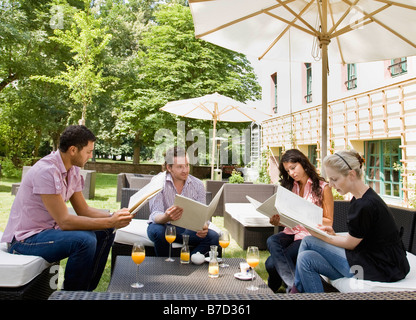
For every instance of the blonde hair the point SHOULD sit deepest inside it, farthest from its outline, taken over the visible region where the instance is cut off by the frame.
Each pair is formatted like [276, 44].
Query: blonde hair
[345, 161]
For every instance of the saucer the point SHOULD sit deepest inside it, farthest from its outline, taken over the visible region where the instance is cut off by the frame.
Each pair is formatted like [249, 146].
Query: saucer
[218, 259]
[243, 276]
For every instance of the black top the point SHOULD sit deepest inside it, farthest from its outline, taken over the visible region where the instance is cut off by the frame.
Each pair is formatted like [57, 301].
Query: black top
[381, 253]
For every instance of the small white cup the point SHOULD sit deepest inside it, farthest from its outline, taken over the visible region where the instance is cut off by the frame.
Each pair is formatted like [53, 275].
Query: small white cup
[244, 268]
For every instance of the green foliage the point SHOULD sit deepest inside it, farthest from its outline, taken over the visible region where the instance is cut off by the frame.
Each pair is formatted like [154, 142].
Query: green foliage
[117, 61]
[235, 177]
[8, 169]
[174, 66]
[264, 176]
[336, 195]
[83, 76]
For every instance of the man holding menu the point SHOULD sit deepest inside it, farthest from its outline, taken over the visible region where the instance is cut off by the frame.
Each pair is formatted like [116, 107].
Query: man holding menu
[163, 211]
[41, 225]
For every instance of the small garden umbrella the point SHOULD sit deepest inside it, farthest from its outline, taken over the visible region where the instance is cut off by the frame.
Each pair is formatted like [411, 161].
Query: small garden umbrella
[215, 107]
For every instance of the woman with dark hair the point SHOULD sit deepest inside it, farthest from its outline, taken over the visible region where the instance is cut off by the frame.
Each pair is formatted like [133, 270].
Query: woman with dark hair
[298, 175]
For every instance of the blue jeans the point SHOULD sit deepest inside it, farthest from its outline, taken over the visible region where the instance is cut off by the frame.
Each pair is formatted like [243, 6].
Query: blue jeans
[87, 253]
[315, 258]
[281, 263]
[156, 233]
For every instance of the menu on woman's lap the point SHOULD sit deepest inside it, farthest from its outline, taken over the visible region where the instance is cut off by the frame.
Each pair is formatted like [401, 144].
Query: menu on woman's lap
[292, 209]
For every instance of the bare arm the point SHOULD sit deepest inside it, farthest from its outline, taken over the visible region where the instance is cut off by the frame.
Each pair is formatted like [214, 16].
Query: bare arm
[172, 213]
[82, 209]
[88, 218]
[327, 206]
[343, 241]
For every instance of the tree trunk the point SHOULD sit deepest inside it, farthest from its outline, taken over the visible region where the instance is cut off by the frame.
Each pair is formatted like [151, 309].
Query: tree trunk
[37, 143]
[136, 148]
[10, 78]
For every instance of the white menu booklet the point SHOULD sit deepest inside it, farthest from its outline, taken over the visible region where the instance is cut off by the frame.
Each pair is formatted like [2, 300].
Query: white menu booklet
[292, 209]
[195, 214]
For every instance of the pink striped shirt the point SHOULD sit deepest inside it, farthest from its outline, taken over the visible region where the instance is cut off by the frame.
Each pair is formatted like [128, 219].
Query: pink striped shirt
[299, 231]
[28, 215]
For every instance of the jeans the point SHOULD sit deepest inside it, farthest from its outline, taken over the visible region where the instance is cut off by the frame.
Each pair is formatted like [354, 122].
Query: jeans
[281, 263]
[156, 233]
[315, 258]
[87, 253]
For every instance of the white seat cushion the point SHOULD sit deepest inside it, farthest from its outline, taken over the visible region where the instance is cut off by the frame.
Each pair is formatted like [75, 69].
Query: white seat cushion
[355, 285]
[247, 215]
[17, 270]
[136, 231]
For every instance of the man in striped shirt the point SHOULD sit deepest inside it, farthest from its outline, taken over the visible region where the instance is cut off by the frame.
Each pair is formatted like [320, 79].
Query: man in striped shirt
[178, 181]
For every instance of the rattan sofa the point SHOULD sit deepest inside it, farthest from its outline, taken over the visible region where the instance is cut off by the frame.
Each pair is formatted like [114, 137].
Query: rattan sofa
[406, 222]
[214, 186]
[131, 180]
[26, 277]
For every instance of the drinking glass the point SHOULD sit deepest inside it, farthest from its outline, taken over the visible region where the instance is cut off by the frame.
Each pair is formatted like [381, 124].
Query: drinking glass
[224, 242]
[138, 254]
[253, 260]
[170, 236]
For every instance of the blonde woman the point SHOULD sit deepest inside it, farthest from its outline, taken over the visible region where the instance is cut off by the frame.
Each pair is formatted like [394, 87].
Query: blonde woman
[372, 243]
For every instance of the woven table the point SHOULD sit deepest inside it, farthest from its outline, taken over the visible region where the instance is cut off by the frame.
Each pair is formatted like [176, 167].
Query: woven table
[159, 276]
[334, 296]
[173, 281]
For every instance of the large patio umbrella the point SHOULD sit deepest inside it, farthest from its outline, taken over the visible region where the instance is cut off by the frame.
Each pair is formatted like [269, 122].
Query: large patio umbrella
[345, 31]
[215, 107]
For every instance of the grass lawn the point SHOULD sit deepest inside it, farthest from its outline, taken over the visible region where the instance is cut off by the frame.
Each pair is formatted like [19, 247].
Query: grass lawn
[105, 198]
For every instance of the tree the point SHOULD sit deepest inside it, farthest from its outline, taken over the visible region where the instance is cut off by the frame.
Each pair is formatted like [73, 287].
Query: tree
[126, 21]
[87, 39]
[30, 112]
[177, 66]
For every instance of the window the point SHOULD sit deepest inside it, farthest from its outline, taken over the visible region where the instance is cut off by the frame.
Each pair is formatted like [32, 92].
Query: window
[255, 142]
[398, 66]
[312, 154]
[380, 172]
[308, 97]
[274, 90]
[351, 82]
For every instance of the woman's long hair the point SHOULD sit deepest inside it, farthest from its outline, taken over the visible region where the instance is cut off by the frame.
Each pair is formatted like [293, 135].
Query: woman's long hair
[294, 155]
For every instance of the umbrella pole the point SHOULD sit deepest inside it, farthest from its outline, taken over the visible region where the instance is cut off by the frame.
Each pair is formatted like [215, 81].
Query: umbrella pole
[213, 148]
[324, 42]
[324, 100]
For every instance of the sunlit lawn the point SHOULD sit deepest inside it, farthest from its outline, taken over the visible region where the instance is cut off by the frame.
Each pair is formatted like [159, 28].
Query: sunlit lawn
[105, 198]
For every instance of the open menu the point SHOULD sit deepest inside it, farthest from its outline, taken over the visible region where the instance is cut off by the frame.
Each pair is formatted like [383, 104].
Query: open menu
[292, 209]
[139, 199]
[195, 214]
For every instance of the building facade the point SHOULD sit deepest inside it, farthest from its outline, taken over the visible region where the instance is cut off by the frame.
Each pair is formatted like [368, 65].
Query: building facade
[371, 108]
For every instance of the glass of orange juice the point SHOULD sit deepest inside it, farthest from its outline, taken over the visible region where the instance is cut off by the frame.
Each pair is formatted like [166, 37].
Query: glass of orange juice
[138, 254]
[170, 236]
[224, 242]
[253, 259]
